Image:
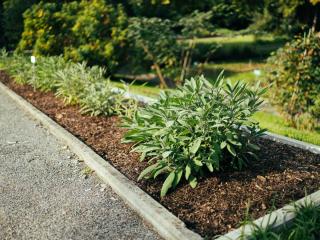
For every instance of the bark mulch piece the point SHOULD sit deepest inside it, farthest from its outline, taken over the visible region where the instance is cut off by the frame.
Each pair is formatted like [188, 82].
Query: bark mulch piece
[219, 202]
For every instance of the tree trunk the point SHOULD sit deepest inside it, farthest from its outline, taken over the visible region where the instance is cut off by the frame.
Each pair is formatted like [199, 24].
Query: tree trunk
[163, 83]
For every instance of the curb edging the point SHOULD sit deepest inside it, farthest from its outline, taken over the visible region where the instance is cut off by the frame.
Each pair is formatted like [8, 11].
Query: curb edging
[275, 220]
[163, 222]
[292, 142]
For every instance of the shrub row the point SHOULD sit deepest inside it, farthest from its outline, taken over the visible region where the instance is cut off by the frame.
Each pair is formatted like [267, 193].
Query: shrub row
[199, 128]
[76, 83]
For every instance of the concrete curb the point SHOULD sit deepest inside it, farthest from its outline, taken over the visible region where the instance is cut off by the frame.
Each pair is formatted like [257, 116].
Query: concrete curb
[276, 219]
[165, 223]
[293, 142]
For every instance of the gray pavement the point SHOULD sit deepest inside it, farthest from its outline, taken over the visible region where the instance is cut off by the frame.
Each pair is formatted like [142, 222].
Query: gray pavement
[44, 193]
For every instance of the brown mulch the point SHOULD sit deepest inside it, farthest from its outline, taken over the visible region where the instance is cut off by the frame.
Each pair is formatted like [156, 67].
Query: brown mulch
[219, 202]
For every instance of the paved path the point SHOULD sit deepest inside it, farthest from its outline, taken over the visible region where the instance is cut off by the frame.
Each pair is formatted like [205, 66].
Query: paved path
[43, 192]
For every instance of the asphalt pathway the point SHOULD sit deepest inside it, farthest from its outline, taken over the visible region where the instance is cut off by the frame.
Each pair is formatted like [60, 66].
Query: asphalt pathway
[44, 191]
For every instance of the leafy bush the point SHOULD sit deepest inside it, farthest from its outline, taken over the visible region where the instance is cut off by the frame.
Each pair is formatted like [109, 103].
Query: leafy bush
[232, 14]
[74, 82]
[18, 67]
[197, 127]
[91, 31]
[45, 70]
[305, 225]
[100, 98]
[75, 78]
[41, 30]
[99, 34]
[294, 71]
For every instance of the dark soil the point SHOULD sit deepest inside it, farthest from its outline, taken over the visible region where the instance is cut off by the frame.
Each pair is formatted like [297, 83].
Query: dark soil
[219, 202]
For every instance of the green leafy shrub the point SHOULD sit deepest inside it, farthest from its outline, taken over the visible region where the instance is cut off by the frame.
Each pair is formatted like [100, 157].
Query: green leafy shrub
[75, 78]
[44, 71]
[100, 98]
[305, 225]
[41, 30]
[294, 71]
[197, 128]
[76, 83]
[19, 67]
[232, 14]
[99, 34]
[91, 31]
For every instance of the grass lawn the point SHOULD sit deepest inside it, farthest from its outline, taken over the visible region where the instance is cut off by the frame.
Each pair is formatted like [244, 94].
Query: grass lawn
[248, 38]
[149, 91]
[276, 124]
[239, 47]
[240, 70]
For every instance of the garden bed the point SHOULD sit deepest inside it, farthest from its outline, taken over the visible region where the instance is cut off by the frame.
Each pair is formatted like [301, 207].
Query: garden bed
[218, 204]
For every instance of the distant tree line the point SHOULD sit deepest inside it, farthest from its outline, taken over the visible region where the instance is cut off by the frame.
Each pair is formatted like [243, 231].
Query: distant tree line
[269, 15]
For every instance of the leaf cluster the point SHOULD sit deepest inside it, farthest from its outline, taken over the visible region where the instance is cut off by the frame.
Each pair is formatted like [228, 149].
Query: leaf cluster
[201, 127]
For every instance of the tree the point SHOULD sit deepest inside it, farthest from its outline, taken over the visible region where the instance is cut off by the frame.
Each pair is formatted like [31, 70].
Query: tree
[99, 34]
[42, 30]
[193, 26]
[157, 40]
[13, 20]
[316, 12]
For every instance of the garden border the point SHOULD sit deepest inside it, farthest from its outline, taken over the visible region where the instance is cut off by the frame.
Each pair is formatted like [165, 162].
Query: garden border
[279, 217]
[162, 220]
[166, 224]
[276, 219]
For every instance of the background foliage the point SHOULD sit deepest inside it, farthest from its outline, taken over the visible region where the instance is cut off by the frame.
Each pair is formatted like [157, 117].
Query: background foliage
[294, 71]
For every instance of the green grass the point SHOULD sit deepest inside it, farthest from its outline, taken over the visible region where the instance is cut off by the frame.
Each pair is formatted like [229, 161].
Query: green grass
[240, 47]
[249, 38]
[234, 71]
[149, 91]
[276, 124]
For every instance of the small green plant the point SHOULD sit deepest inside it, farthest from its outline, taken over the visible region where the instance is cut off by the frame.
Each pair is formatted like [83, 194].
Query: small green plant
[75, 78]
[87, 172]
[44, 71]
[100, 98]
[201, 126]
[19, 67]
[306, 224]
